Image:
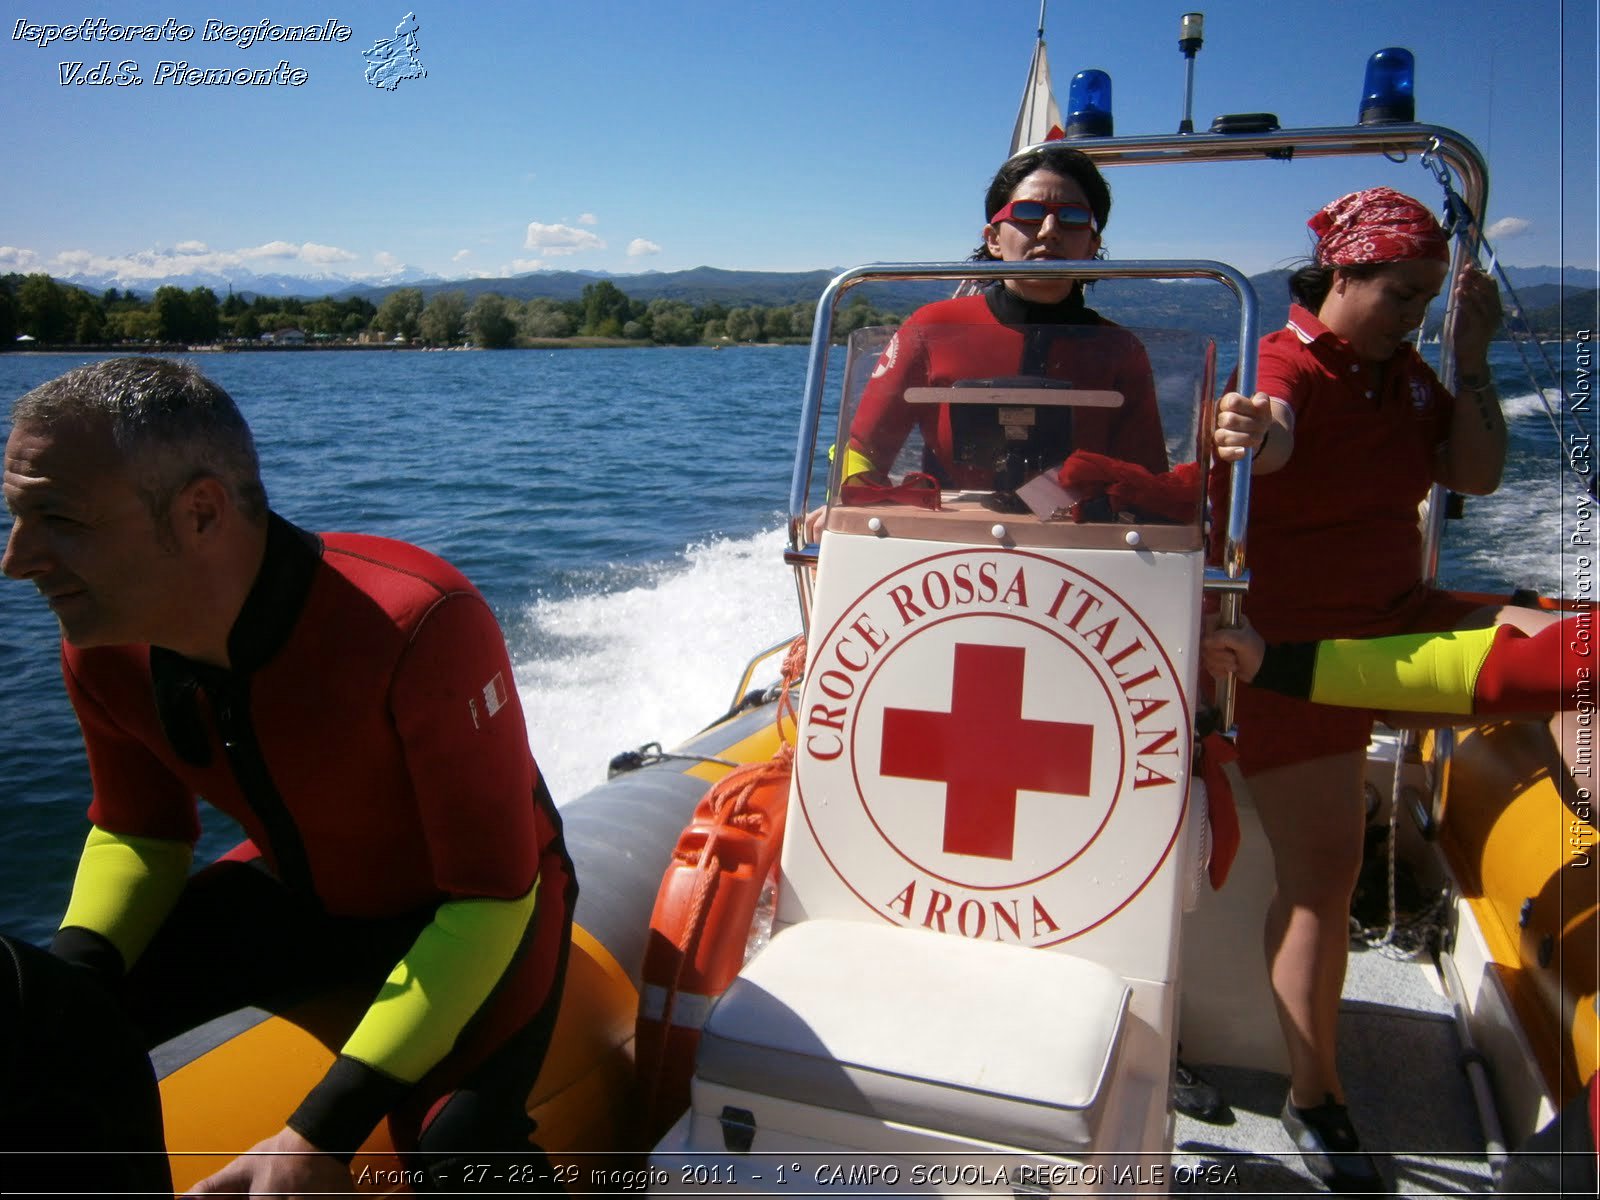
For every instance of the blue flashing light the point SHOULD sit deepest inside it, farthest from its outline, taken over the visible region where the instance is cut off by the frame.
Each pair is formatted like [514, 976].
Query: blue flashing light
[1089, 105]
[1387, 94]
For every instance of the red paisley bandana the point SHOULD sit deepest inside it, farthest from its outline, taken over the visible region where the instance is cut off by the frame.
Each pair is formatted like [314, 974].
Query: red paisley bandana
[1379, 225]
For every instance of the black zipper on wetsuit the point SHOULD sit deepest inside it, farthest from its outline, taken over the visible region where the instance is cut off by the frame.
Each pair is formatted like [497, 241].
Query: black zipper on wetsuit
[263, 626]
[230, 701]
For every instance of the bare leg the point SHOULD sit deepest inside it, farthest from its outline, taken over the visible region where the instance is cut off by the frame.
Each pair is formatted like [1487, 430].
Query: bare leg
[1313, 817]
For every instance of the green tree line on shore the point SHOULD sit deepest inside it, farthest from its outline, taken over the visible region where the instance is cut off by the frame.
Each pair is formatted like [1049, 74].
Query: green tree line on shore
[58, 314]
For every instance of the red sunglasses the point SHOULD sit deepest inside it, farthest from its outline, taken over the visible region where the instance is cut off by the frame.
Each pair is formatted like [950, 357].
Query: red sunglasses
[1068, 214]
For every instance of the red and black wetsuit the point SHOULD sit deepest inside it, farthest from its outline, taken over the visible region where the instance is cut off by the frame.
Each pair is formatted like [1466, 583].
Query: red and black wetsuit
[369, 738]
[999, 335]
[1467, 671]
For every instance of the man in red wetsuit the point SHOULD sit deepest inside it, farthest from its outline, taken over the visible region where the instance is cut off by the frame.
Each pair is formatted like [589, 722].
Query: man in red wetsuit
[347, 699]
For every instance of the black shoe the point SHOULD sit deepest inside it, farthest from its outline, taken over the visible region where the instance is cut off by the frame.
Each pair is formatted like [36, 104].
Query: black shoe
[1194, 1097]
[1329, 1145]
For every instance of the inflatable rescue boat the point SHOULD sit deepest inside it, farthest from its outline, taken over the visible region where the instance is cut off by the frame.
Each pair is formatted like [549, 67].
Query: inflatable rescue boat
[989, 829]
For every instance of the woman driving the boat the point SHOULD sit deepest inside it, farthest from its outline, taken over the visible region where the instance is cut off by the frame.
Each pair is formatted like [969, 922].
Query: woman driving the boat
[1361, 429]
[1050, 203]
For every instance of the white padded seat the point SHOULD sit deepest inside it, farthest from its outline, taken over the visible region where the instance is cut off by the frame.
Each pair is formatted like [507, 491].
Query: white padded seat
[999, 1043]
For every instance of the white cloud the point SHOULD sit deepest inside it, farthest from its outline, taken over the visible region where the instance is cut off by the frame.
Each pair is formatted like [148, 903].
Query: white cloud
[1508, 227]
[519, 266]
[560, 239]
[460, 254]
[386, 261]
[188, 258]
[323, 255]
[642, 246]
[306, 252]
[271, 250]
[77, 260]
[588, 219]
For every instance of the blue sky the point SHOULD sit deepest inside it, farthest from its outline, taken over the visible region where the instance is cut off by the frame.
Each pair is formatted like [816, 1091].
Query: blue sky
[632, 135]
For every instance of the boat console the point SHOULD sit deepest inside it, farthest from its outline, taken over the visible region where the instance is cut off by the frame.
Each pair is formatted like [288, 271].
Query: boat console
[994, 824]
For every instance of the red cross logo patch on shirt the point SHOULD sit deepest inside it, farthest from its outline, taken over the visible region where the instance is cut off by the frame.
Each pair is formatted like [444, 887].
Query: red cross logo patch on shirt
[985, 751]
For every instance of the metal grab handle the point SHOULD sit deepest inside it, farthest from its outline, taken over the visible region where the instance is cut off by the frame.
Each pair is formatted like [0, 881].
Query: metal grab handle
[802, 557]
[1233, 543]
[1233, 567]
[1232, 589]
[828, 303]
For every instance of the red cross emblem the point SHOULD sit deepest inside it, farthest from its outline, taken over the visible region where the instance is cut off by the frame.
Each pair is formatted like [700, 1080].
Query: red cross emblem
[984, 751]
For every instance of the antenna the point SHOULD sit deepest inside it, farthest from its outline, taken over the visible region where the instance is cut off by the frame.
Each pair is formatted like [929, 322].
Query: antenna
[1191, 36]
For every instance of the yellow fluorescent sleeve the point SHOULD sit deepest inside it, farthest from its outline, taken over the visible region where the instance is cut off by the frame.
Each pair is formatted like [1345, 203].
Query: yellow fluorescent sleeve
[1414, 672]
[125, 887]
[856, 463]
[440, 983]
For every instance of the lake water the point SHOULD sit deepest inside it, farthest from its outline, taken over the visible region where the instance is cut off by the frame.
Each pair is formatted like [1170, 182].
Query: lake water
[621, 510]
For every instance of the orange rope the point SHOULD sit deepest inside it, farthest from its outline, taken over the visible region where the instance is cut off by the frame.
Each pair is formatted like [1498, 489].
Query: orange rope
[729, 799]
[705, 886]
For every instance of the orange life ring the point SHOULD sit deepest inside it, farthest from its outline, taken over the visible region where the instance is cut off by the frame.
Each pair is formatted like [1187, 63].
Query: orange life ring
[703, 914]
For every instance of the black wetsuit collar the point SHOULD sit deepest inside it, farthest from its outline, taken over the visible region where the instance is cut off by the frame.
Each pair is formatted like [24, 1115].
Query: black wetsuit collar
[1011, 309]
[274, 602]
[265, 621]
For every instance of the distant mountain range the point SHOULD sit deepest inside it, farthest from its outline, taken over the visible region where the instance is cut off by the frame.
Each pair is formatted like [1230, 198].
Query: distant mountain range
[1526, 277]
[248, 283]
[699, 285]
[1185, 305]
[1562, 312]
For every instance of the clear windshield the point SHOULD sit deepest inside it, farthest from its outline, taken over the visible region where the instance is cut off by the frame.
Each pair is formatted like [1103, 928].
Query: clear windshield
[1072, 425]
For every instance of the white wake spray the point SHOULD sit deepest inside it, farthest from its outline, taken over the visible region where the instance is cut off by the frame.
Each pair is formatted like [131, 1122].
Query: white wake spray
[653, 663]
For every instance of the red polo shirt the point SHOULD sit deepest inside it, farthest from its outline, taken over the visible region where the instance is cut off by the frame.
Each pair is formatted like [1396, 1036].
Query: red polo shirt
[1334, 546]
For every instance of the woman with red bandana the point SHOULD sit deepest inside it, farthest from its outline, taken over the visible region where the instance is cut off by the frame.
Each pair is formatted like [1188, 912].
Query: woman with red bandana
[1361, 429]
